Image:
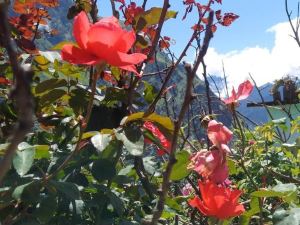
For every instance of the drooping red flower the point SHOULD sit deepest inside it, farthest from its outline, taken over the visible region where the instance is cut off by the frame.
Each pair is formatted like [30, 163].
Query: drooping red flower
[165, 143]
[243, 92]
[102, 42]
[218, 134]
[219, 202]
[210, 165]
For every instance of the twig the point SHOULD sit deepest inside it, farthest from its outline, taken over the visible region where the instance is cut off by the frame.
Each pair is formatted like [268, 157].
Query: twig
[113, 8]
[284, 177]
[144, 4]
[225, 79]
[94, 11]
[140, 170]
[21, 94]
[295, 30]
[191, 73]
[207, 89]
[215, 84]
[162, 17]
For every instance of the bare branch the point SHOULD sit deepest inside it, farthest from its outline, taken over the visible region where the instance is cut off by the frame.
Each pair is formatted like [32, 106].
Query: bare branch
[21, 93]
[295, 29]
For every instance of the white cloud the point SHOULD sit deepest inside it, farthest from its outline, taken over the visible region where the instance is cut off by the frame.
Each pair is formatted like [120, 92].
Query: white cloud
[264, 64]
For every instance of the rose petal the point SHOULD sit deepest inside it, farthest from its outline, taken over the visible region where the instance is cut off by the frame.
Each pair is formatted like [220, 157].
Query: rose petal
[126, 41]
[72, 54]
[81, 28]
[106, 34]
[244, 90]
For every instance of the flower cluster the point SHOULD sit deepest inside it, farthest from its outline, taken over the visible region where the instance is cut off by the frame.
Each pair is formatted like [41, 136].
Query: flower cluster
[217, 199]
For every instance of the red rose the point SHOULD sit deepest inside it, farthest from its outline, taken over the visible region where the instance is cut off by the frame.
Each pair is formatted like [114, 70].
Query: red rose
[102, 42]
[219, 202]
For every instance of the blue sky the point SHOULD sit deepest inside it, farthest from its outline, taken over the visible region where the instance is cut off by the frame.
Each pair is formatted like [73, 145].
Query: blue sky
[254, 43]
[256, 16]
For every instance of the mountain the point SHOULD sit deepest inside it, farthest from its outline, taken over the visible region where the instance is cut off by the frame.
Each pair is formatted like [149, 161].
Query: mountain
[61, 23]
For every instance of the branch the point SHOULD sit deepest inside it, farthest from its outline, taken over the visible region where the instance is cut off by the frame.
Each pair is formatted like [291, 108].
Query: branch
[295, 30]
[158, 29]
[94, 11]
[284, 177]
[113, 8]
[191, 73]
[21, 93]
[207, 89]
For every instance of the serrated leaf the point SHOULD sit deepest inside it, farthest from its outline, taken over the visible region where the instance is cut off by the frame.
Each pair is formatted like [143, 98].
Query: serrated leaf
[151, 17]
[134, 148]
[46, 209]
[287, 217]
[68, 189]
[51, 96]
[149, 92]
[180, 170]
[50, 84]
[27, 192]
[42, 151]
[103, 169]
[101, 141]
[163, 121]
[24, 158]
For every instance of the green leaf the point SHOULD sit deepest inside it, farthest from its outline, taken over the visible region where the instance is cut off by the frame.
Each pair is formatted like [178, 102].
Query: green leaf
[117, 203]
[149, 92]
[24, 158]
[51, 96]
[134, 148]
[103, 169]
[46, 209]
[50, 84]
[79, 99]
[89, 134]
[286, 191]
[27, 192]
[42, 151]
[180, 170]
[232, 167]
[254, 209]
[286, 217]
[163, 121]
[151, 17]
[70, 190]
[101, 141]
[60, 45]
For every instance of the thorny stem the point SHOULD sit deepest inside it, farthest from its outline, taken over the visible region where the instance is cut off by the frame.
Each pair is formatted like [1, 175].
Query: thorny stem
[191, 73]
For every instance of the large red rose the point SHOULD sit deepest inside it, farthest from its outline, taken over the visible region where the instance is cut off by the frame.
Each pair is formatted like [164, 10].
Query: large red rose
[219, 202]
[102, 42]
